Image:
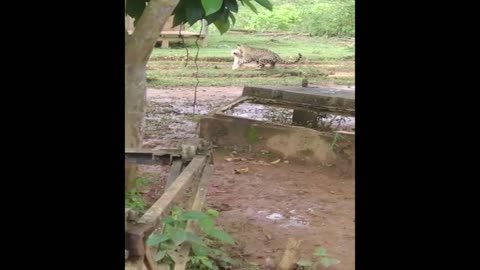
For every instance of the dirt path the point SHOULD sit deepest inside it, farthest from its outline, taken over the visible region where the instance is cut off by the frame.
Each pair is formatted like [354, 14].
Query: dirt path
[269, 203]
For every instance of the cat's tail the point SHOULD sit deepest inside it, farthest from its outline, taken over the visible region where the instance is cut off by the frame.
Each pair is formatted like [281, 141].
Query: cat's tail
[292, 61]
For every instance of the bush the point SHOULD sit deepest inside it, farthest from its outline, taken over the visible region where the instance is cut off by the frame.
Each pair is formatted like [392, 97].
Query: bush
[283, 18]
[316, 17]
[331, 19]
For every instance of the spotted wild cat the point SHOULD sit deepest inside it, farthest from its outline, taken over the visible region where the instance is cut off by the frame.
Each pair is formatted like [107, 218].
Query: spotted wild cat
[245, 54]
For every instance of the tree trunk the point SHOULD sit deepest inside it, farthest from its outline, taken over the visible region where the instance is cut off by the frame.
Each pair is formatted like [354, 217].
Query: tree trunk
[138, 48]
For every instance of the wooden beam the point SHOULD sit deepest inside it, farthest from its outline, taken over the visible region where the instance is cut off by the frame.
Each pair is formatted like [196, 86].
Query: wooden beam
[175, 170]
[234, 103]
[147, 156]
[154, 213]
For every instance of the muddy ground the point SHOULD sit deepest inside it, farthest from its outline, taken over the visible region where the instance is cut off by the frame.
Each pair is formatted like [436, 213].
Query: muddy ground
[265, 206]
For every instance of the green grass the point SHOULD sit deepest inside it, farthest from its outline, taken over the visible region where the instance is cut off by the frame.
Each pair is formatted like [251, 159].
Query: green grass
[322, 57]
[312, 48]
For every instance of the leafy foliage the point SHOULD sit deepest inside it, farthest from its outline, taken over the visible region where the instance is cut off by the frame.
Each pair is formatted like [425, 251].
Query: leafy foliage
[317, 17]
[135, 8]
[202, 255]
[133, 199]
[218, 12]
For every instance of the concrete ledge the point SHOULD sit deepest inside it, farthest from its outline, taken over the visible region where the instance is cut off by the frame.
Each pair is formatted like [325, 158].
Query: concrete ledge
[290, 142]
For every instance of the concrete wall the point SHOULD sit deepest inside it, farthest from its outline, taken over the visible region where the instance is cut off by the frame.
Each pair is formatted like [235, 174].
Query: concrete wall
[290, 142]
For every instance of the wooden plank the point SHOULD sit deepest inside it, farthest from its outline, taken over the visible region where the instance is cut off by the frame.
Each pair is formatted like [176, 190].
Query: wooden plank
[177, 33]
[232, 104]
[158, 209]
[197, 205]
[156, 151]
[175, 171]
[148, 156]
[177, 39]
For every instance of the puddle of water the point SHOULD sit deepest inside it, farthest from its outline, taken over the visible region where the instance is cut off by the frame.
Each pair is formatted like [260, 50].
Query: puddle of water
[281, 115]
[275, 216]
[284, 222]
[295, 222]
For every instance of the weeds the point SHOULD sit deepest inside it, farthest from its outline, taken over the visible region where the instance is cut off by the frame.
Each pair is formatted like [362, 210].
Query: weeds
[204, 252]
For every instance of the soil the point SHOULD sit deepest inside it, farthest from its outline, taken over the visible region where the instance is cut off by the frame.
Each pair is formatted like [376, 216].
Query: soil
[262, 208]
[265, 206]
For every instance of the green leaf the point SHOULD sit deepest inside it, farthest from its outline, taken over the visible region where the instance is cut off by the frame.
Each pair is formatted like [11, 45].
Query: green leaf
[166, 246]
[194, 11]
[179, 18]
[135, 8]
[250, 5]
[206, 261]
[220, 235]
[206, 224]
[211, 6]
[168, 229]
[193, 238]
[160, 255]
[178, 236]
[212, 212]
[214, 17]
[320, 252]
[222, 24]
[232, 5]
[199, 250]
[193, 215]
[168, 220]
[305, 262]
[176, 211]
[156, 239]
[265, 3]
[232, 18]
[326, 261]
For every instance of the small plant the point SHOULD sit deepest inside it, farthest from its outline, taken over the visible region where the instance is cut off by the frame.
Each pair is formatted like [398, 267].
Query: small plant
[336, 138]
[322, 258]
[133, 199]
[204, 251]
